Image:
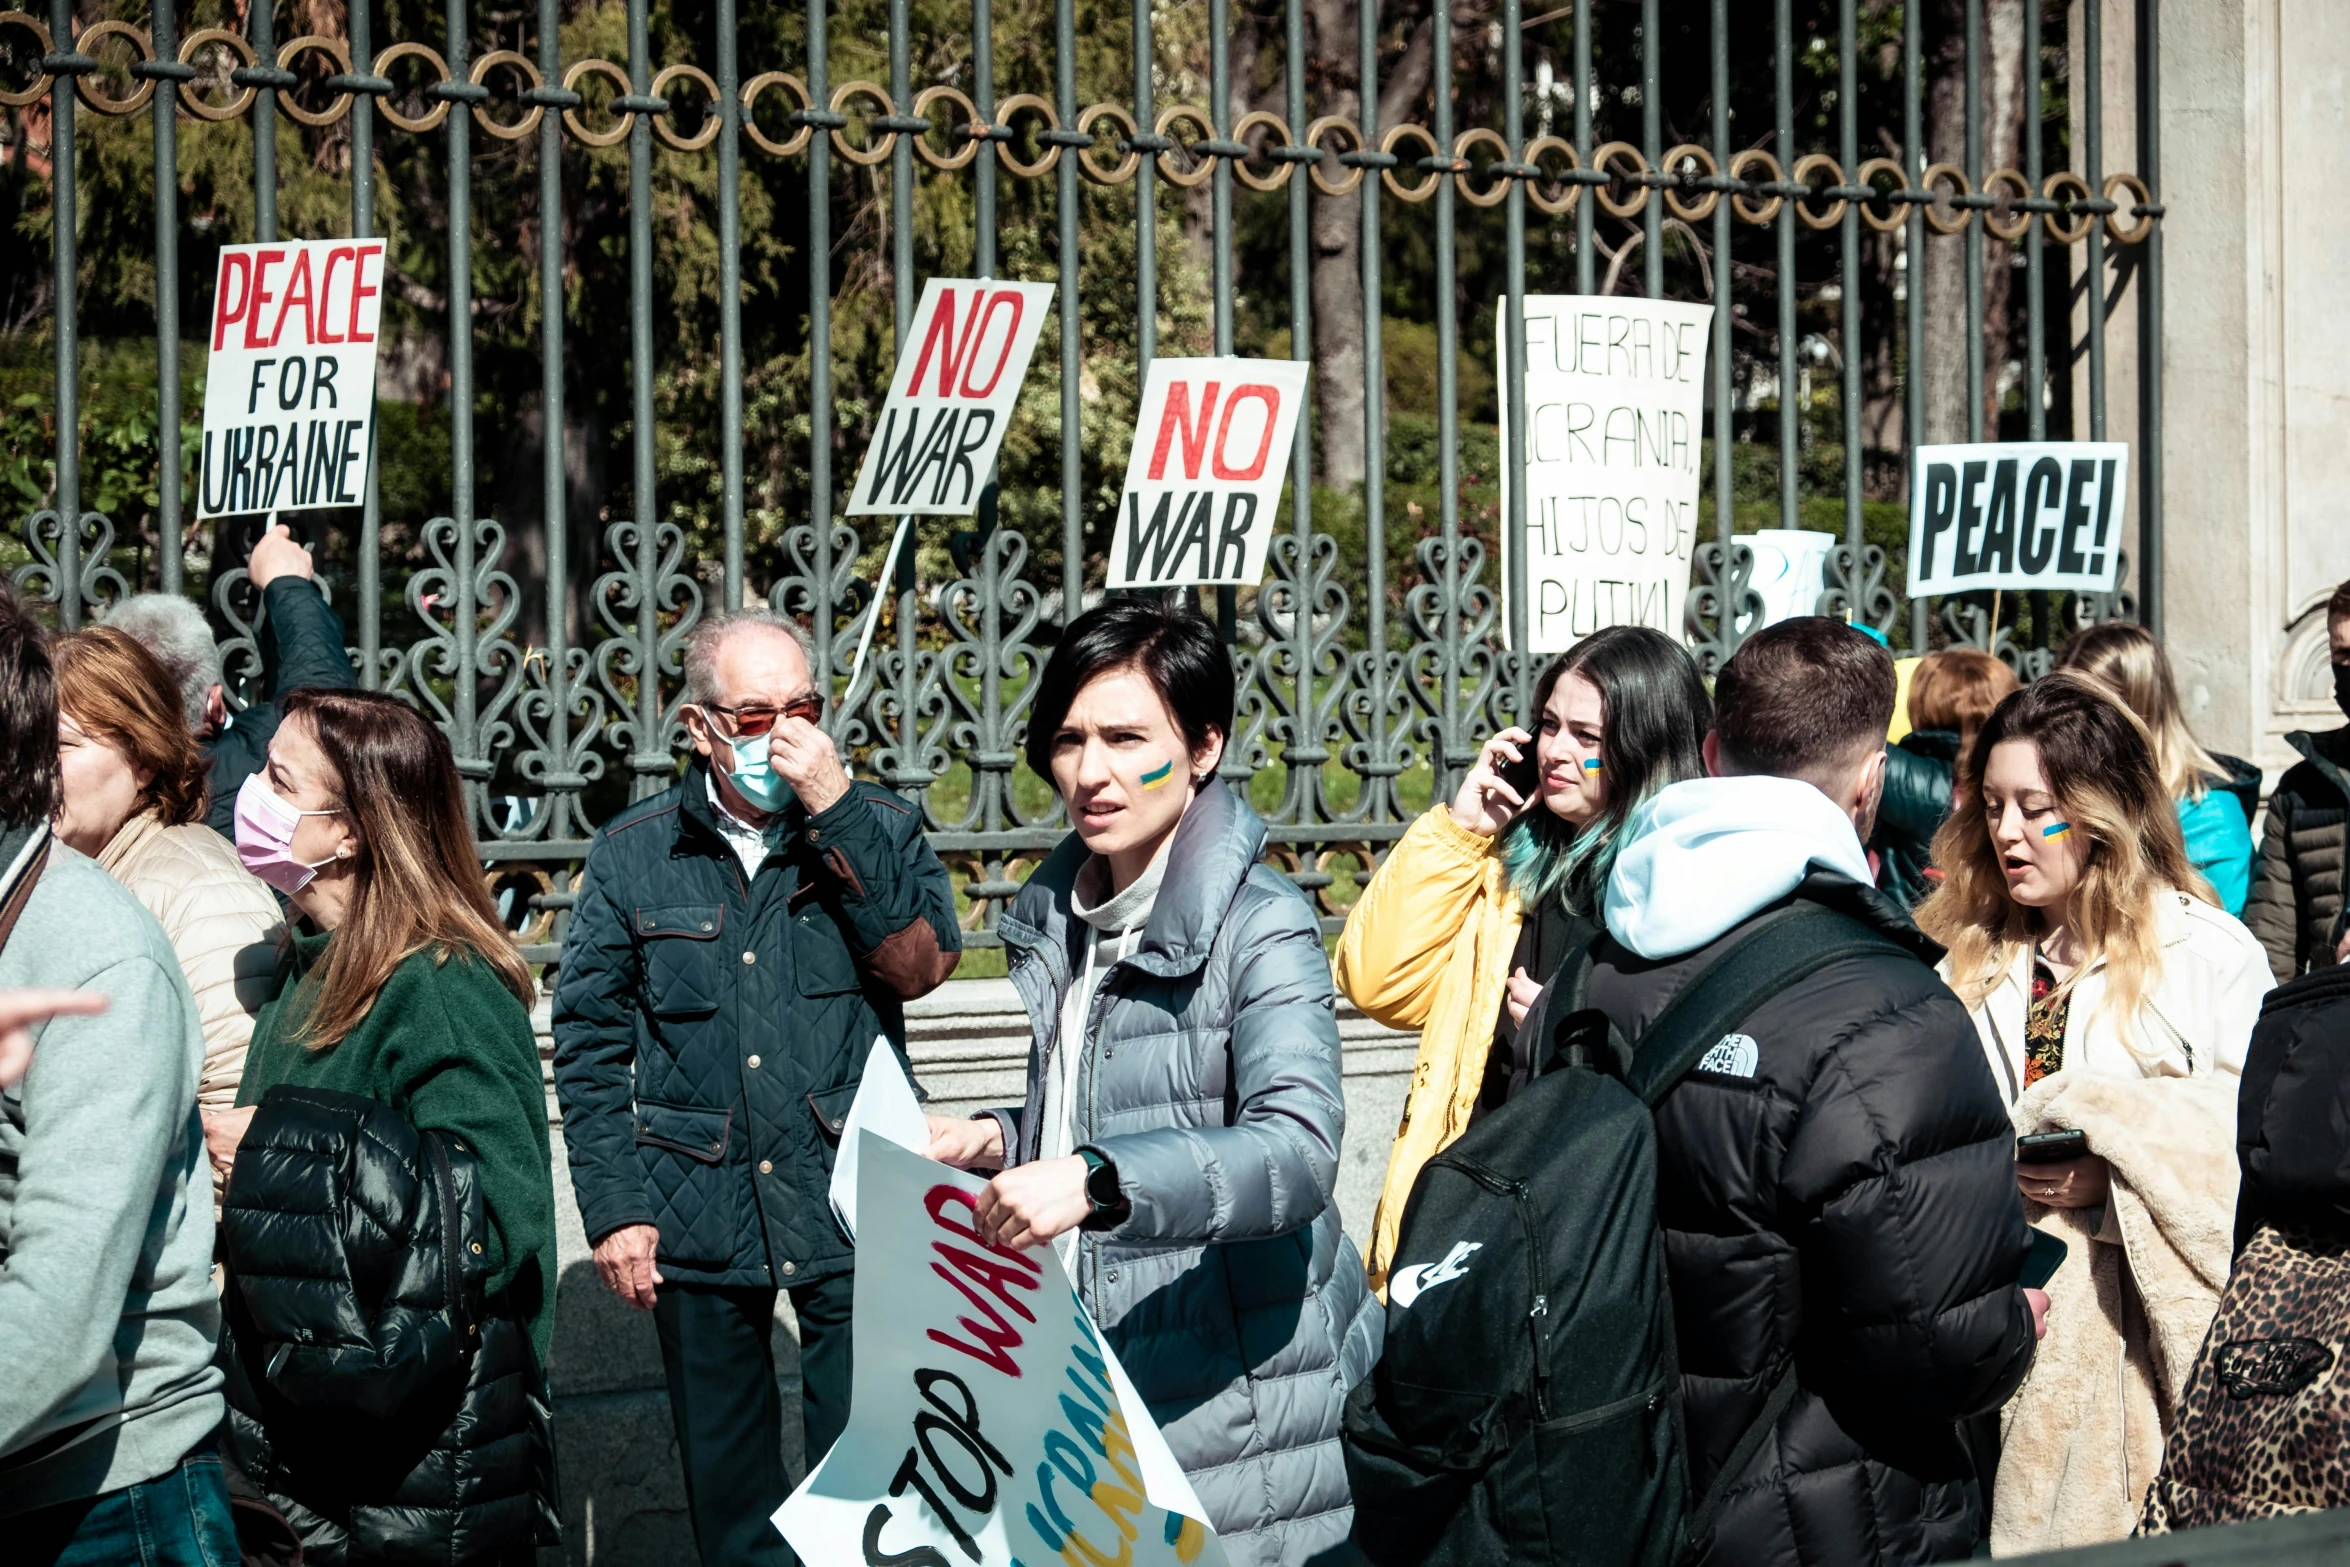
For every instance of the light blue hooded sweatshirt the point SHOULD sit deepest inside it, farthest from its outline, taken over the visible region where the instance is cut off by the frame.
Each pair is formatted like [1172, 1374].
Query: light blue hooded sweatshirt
[1708, 853]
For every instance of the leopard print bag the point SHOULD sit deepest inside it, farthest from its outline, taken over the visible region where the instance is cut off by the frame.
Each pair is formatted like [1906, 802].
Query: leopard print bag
[2264, 1425]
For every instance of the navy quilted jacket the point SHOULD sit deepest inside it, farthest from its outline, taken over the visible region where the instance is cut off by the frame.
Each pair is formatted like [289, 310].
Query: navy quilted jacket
[1210, 1078]
[710, 1031]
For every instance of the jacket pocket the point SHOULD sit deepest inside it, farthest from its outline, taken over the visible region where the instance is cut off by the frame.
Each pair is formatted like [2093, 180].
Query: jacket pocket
[681, 1152]
[830, 1106]
[821, 962]
[680, 946]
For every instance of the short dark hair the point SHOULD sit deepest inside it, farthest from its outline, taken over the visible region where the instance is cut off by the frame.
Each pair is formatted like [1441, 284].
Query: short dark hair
[28, 716]
[1176, 650]
[1801, 698]
[2338, 606]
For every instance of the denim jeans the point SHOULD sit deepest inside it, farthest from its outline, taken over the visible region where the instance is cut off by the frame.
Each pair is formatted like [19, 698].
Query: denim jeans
[177, 1519]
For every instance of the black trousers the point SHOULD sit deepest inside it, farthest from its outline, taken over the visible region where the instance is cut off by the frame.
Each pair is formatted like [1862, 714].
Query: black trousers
[716, 1350]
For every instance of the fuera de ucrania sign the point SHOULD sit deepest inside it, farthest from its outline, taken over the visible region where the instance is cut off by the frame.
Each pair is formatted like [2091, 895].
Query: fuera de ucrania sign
[1203, 482]
[2017, 514]
[950, 398]
[1615, 398]
[988, 1421]
[289, 388]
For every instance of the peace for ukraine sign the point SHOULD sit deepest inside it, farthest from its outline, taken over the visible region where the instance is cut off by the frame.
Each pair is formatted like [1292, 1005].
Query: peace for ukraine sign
[989, 1422]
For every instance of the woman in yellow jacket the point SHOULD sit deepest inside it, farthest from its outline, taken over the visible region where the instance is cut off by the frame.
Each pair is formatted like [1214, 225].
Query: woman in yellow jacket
[1480, 901]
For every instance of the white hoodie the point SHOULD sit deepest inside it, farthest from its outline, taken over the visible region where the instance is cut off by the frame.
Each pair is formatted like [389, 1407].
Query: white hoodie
[1704, 855]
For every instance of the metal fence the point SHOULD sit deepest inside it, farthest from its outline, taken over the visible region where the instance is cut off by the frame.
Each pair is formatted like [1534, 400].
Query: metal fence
[1350, 711]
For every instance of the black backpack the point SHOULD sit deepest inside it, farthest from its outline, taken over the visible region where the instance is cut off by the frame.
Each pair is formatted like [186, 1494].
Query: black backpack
[1527, 1407]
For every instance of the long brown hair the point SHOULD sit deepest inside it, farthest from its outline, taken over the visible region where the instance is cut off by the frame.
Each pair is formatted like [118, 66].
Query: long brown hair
[2126, 658]
[2100, 766]
[113, 688]
[417, 882]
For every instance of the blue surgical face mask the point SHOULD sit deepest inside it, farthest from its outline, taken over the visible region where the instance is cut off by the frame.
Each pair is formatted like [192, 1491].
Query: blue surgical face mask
[754, 777]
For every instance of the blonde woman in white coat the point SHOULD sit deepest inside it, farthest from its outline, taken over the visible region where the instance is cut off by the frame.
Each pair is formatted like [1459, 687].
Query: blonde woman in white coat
[2114, 998]
[134, 796]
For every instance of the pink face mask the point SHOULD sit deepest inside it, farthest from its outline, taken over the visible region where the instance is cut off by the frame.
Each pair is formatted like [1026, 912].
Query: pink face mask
[266, 824]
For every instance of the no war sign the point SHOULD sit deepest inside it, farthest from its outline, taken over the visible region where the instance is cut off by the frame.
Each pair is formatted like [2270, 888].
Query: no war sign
[2017, 514]
[289, 388]
[950, 398]
[1203, 482]
[989, 1423]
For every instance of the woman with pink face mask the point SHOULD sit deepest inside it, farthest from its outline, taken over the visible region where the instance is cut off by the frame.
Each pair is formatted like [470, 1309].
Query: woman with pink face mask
[134, 801]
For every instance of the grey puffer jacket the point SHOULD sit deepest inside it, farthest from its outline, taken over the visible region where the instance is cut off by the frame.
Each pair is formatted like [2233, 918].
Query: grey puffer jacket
[1210, 1078]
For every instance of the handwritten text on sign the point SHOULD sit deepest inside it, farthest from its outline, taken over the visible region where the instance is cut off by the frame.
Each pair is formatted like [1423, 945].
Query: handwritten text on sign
[289, 389]
[988, 1422]
[2017, 514]
[1203, 483]
[958, 375]
[1615, 393]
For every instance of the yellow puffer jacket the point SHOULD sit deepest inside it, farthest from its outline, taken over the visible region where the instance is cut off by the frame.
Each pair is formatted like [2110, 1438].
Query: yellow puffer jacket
[1428, 946]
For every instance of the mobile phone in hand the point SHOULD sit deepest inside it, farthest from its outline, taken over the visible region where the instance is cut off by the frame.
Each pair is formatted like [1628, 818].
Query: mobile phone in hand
[2052, 1147]
[2042, 1261]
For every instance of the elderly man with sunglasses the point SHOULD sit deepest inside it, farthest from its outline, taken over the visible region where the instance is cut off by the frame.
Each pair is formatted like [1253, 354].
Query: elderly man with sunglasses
[738, 942]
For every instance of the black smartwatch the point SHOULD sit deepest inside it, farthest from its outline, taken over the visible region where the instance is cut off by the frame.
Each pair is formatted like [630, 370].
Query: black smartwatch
[1101, 1189]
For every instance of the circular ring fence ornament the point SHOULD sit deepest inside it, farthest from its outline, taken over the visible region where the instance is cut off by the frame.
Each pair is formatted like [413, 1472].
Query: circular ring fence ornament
[1123, 170]
[1601, 158]
[1254, 120]
[1674, 170]
[1749, 210]
[192, 96]
[1027, 103]
[1497, 186]
[86, 87]
[1202, 167]
[1941, 216]
[2114, 228]
[2067, 187]
[878, 147]
[1395, 137]
[710, 115]
[38, 88]
[1569, 192]
[1335, 124]
[750, 120]
[971, 128]
[1809, 164]
[2017, 188]
[606, 71]
[1895, 213]
[431, 119]
[337, 52]
[521, 63]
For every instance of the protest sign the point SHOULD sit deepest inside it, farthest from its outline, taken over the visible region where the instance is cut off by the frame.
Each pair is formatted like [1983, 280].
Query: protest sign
[885, 1106]
[289, 389]
[950, 398]
[1615, 398]
[988, 1421]
[2017, 514]
[1203, 482]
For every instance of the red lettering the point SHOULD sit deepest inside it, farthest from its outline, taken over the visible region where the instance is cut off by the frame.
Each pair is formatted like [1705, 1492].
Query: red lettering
[1256, 467]
[995, 1344]
[326, 291]
[263, 260]
[235, 264]
[940, 1195]
[1195, 441]
[297, 289]
[362, 289]
[1011, 335]
[996, 1278]
[950, 349]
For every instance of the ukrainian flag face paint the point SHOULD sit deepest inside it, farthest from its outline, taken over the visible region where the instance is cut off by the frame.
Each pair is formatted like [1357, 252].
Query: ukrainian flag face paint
[2057, 830]
[1591, 767]
[1158, 777]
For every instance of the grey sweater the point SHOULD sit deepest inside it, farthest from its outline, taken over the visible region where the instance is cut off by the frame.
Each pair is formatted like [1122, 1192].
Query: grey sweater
[107, 1311]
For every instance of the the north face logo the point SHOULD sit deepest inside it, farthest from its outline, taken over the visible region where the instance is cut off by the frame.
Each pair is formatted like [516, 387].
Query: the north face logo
[1734, 1056]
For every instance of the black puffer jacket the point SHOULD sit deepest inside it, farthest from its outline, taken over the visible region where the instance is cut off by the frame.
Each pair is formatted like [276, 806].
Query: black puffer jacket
[1841, 1193]
[392, 1413]
[2297, 908]
[2293, 1109]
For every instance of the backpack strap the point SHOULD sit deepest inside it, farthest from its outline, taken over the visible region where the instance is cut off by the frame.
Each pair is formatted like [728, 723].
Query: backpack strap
[1698, 1522]
[22, 893]
[1776, 954]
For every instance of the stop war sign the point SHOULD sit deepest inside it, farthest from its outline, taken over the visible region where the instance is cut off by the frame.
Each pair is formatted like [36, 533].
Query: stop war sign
[1211, 450]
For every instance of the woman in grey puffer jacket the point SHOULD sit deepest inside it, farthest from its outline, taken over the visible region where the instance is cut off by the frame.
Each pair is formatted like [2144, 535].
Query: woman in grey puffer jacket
[1179, 1144]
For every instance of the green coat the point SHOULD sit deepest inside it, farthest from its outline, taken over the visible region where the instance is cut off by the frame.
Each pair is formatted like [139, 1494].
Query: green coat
[448, 1048]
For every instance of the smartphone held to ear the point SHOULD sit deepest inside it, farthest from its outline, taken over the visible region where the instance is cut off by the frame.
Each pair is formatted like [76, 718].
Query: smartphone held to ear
[2052, 1147]
[1524, 775]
